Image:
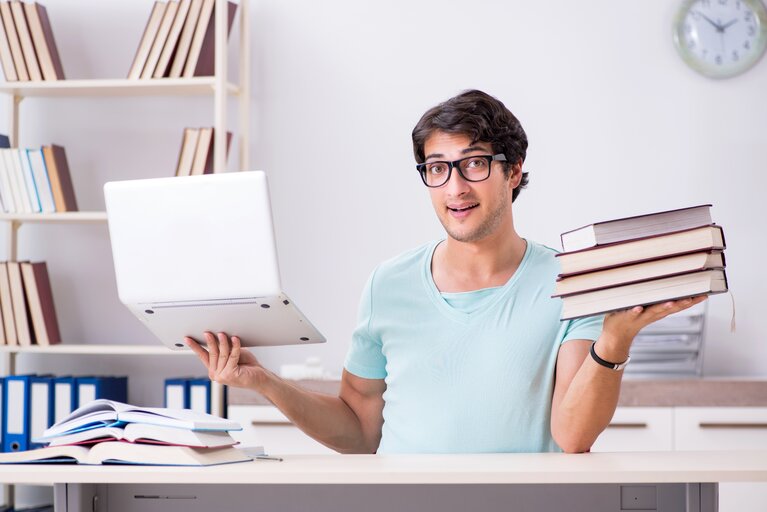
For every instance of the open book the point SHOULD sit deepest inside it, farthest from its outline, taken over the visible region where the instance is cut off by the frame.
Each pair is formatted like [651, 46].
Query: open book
[99, 413]
[145, 433]
[119, 452]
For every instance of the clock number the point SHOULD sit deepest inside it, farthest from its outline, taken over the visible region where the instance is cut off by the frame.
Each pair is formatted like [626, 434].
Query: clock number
[751, 30]
[747, 45]
[718, 60]
[722, 2]
[748, 15]
[737, 5]
[735, 56]
[705, 3]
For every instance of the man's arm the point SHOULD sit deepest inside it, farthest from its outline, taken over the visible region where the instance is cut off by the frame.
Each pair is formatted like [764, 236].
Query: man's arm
[348, 423]
[585, 392]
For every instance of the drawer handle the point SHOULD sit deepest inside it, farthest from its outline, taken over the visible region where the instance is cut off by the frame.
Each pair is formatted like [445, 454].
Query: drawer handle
[732, 425]
[627, 425]
[265, 423]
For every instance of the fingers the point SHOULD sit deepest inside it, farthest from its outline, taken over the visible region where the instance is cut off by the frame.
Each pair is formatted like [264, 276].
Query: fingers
[212, 343]
[224, 349]
[197, 349]
[234, 355]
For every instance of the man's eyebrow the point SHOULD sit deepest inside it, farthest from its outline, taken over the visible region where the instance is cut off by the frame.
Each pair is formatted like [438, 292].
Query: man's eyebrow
[464, 151]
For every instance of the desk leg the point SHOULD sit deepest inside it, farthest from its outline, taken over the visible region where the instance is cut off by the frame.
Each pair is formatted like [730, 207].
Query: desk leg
[80, 497]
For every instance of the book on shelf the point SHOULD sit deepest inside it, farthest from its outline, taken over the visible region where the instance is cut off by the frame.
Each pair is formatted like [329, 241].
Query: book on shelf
[24, 170]
[19, 304]
[639, 226]
[42, 182]
[147, 40]
[119, 452]
[61, 180]
[6, 305]
[6, 57]
[25, 39]
[201, 60]
[13, 41]
[45, 45]
[148, 434]
[163, 30]
[646, 271]
[185, 40]
[187, 152]
[645, 293]
[172, 41]
[99, 413]
[196, 154]
[706, 238]
[39, 296]
[18, 196]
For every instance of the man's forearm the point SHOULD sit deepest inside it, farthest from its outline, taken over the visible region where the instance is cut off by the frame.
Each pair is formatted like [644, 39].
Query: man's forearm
[590, 401]
[325, 418]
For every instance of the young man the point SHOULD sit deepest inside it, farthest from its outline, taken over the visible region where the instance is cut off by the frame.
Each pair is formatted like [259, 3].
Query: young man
[459, 347]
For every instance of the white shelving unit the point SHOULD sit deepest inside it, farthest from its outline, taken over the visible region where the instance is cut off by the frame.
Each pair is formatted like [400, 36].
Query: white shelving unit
[218, 87]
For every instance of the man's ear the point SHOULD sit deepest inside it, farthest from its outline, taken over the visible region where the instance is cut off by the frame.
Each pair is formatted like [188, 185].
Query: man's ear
[515, 177]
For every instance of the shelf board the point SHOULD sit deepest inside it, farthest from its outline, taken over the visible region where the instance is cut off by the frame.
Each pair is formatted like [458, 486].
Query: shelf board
[83, 349]
[116, 87]
[63, 217]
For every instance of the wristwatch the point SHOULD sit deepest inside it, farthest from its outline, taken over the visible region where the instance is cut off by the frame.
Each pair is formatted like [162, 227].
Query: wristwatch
[607, 364]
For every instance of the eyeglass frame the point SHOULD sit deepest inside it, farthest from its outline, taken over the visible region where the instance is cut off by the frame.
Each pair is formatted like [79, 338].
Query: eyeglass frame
[499, 157]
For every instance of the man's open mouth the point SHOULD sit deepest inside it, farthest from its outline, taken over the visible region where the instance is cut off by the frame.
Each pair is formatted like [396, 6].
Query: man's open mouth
[463, 209]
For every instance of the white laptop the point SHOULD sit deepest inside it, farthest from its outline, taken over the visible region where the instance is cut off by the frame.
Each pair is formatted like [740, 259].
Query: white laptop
[195, 254]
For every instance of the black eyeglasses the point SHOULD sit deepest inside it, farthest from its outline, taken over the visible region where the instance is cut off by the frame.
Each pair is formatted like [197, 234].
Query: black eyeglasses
[472, 168]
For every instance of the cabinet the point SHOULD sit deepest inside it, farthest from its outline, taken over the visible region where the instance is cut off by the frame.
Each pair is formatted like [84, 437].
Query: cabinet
[694, 428]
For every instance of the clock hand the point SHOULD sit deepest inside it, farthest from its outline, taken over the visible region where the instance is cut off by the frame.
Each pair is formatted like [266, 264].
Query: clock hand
[724, 27]
[718, 27]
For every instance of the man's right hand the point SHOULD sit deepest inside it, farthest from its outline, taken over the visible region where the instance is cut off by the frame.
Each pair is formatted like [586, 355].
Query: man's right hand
[227, 363]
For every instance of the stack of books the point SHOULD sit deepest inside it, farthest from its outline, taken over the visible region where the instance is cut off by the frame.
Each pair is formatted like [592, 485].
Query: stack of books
[196, 154]
[27, 48]
[27, 312]
[110, 432]
[642, 260]
[178, 40]
[35, 180]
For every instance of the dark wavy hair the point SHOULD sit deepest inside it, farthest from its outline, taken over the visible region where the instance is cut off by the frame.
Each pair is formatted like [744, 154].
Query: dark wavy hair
[483, 118]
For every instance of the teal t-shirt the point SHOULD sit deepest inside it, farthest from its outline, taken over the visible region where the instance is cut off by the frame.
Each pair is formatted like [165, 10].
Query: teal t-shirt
[465, 372]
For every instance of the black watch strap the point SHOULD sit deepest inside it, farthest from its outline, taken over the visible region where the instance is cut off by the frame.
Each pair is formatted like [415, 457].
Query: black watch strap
[607, 364]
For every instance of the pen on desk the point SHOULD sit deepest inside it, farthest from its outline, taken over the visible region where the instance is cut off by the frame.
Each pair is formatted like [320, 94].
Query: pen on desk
[268, 457]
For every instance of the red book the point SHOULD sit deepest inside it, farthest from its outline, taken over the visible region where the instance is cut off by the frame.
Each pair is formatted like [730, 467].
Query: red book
[40, 303]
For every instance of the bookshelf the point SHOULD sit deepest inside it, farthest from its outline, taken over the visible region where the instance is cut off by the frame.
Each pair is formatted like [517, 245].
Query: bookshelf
[218, 87]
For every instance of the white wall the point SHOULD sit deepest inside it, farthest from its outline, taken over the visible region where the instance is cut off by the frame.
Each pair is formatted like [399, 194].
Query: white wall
[617, 126]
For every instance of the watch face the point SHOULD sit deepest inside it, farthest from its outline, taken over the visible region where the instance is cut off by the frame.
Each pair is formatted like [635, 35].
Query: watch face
[721, 38]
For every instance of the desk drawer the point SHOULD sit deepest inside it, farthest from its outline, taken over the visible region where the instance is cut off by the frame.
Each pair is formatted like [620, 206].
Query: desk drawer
[265, 425]
[637, 429]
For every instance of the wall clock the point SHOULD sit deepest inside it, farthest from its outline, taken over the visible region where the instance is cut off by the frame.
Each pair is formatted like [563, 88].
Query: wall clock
[721, 38]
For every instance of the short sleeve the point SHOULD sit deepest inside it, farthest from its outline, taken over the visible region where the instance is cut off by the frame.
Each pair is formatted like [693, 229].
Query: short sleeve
[588, 328]
[365, 357]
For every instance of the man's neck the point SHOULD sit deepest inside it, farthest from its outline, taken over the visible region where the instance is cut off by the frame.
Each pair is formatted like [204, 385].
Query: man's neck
[466, 266]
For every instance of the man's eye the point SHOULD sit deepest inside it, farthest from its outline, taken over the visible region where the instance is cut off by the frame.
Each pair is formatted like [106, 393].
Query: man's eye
[436, 168]
[476, 163]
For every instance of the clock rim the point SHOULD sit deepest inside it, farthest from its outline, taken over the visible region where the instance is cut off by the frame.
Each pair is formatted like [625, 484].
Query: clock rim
[709, 70]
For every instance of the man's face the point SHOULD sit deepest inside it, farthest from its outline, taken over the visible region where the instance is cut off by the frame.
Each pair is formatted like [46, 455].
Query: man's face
[469, 211]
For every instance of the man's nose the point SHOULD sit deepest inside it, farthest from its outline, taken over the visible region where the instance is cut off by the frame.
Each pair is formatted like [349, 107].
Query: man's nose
[456, 184]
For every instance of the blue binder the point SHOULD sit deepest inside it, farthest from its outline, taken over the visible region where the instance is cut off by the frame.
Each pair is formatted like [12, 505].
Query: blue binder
[176, 393]
[65, 397]
[41, 397]
[16, 394]
[2, 412]
[92, 388]
[199, 395]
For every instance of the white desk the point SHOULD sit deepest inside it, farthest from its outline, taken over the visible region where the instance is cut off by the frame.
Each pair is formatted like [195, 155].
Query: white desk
[607, 481]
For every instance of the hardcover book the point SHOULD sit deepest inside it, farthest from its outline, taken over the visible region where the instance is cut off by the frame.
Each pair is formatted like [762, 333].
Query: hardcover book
[640, 226]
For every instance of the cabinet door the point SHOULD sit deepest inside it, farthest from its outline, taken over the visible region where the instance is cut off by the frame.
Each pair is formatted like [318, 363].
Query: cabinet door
[265, 425]
[726, 428]
[637, 429]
